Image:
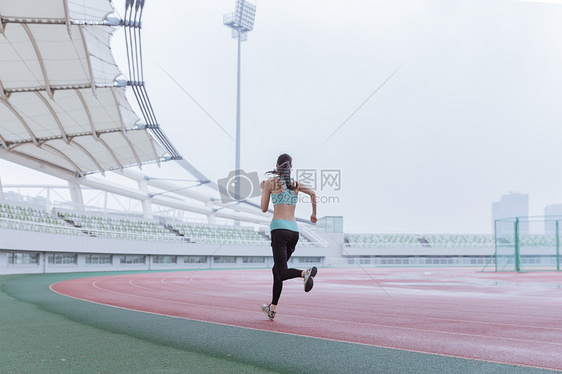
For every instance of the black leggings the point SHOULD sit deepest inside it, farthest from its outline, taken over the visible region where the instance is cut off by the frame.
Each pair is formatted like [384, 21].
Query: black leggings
[283, 243]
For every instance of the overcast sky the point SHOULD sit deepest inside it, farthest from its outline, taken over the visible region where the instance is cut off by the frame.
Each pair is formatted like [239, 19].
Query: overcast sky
[474, 112]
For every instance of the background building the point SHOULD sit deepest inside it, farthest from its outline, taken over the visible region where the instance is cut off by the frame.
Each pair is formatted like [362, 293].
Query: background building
[510, 206]
[552, 210]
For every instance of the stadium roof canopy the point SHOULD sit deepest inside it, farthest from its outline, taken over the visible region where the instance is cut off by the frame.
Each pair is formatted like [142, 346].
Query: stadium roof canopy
[60, 101]
[63, 109]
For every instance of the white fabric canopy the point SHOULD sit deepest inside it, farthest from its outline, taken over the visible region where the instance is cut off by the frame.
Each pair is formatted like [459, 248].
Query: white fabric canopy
[45, 56]
[56, 10]
[59, 99]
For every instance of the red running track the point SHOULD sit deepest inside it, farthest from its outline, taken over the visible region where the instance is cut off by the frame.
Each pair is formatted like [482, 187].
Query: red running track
[498, 317]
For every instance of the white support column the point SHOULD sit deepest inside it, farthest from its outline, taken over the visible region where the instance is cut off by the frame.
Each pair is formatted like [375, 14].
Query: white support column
[211, 218]
[76, 195]
[48, 200]
[146, 204]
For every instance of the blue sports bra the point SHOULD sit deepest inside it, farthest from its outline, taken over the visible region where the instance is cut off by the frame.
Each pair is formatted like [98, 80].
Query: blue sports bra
[286, 197]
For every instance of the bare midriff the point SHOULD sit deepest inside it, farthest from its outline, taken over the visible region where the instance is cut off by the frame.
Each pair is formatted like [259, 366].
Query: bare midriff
[284, 211]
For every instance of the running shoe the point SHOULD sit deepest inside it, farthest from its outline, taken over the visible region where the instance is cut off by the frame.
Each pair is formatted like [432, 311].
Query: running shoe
[268, 312]
[309, 275]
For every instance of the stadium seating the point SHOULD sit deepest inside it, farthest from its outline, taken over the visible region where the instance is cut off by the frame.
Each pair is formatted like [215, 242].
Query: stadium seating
[460, 240]
[73, 223]
[31, 219]
[219, 234]
[412, 240]
[120, 228]
[386, 240]
[537, 240]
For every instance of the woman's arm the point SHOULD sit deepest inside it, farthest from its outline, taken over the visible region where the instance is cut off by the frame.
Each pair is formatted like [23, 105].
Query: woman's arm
[310, 192]
[265, 192]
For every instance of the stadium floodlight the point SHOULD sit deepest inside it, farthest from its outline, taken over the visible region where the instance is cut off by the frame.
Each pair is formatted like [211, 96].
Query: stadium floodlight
[241, 21]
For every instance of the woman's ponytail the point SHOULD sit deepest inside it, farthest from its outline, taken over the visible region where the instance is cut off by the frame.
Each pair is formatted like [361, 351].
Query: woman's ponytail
[283, 170]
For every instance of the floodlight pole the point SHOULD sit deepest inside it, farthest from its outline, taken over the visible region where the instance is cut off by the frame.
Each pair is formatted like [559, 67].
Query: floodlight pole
[241, 22]
[237, 165]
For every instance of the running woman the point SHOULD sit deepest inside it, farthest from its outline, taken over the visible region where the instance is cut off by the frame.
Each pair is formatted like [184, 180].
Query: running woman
[284, 230]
